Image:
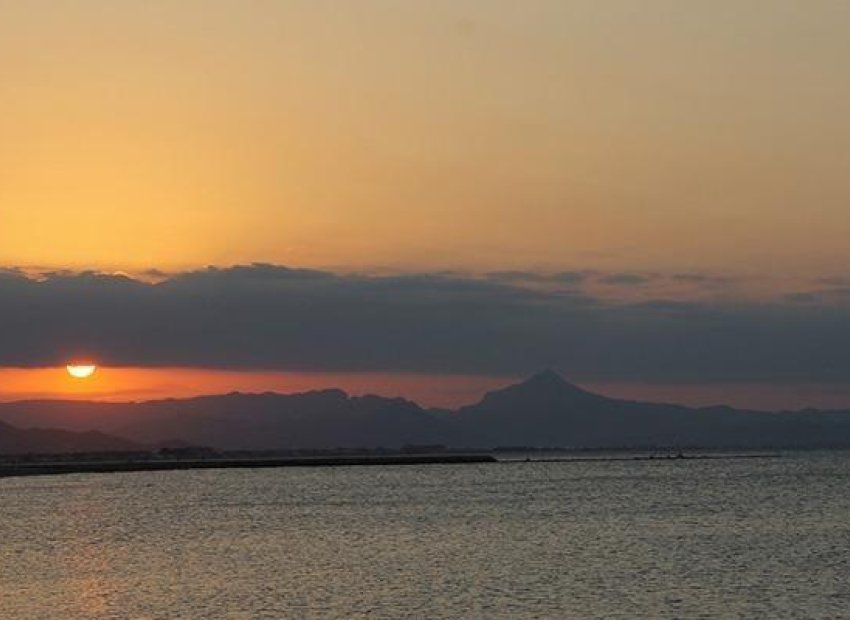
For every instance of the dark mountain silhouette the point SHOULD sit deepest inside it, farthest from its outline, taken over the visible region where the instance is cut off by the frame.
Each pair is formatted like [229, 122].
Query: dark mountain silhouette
[51, 441]
[321, 419]
[547, 411]
[543, 411]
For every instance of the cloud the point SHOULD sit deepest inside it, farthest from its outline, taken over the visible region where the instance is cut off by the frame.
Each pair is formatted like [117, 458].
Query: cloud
[821, 296]
[702, 278]
[626, 279]
[568, 278]
[273, 317]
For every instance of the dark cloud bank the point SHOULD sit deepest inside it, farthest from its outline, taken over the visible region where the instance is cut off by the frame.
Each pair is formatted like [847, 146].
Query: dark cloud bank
[264, 316]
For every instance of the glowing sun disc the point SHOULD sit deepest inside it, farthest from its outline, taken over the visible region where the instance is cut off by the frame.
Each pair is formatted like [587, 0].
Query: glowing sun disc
[81, 371]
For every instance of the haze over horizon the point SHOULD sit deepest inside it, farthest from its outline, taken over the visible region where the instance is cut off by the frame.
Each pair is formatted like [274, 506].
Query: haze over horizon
[427, 199]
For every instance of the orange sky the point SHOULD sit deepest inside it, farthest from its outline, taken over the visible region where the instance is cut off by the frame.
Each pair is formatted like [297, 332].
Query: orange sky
[136, 384]
[126, 384]
[707, 135]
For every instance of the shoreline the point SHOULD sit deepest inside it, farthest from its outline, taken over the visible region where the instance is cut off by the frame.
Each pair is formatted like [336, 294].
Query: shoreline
[642, 458]
[46, 468]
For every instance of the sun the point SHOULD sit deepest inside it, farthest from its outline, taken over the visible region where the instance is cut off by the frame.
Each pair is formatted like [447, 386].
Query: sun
[81, 371]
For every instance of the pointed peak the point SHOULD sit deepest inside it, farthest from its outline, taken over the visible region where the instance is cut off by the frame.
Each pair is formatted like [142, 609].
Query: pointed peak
[544, 384]
[549, 381]
[546, 376]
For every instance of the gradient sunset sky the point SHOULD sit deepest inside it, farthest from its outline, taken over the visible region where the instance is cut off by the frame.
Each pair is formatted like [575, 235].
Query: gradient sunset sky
[426, 198]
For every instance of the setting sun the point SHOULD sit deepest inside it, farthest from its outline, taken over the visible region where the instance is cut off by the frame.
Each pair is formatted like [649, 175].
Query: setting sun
[81, 371]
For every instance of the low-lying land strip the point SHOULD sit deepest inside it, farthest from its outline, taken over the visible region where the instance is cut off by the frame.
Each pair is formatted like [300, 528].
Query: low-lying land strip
[35, 468]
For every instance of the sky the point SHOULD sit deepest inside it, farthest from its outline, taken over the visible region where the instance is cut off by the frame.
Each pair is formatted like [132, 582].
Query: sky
[648, 195]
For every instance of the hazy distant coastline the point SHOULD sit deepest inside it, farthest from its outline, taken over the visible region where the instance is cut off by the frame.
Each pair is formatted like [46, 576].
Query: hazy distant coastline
[545, 411]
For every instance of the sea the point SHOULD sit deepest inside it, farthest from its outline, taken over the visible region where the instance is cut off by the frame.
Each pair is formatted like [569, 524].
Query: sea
[596, 538]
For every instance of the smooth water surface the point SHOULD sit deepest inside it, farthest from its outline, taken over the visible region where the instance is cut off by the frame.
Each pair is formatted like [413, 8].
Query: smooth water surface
[755, 538]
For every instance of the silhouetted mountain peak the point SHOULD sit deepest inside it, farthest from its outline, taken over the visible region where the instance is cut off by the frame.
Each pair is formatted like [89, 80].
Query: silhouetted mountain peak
[544, 410]
[543, 388]
[548, 382]
[546, 378]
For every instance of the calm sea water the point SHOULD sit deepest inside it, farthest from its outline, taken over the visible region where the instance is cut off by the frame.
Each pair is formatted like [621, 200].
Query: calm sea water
[685, 539]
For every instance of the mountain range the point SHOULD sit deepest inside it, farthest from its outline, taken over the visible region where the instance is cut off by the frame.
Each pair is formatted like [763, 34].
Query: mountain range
[542, 411]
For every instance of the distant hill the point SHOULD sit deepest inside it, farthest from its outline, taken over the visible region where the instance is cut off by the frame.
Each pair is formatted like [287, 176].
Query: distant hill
[547, 411]
[320, 419]
[51, 441]
[542, 411]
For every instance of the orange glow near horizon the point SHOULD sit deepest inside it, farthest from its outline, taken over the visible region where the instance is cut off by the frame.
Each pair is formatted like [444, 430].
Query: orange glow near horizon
[121, 384]
[138, 384]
